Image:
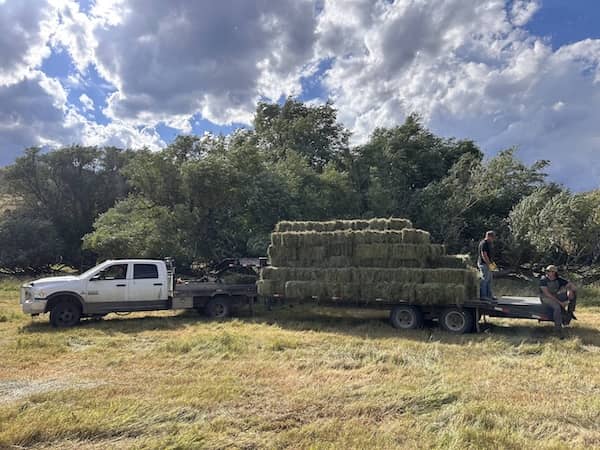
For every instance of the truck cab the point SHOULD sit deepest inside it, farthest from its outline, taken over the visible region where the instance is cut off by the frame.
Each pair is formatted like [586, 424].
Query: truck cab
[113, 286]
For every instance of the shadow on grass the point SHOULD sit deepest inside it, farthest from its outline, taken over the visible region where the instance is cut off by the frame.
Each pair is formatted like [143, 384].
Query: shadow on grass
[113, 323]
[375, 324]
[362, 323]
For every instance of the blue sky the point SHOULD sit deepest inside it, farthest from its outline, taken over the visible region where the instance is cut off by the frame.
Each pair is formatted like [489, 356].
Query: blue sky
[566, 21]
[136, 73]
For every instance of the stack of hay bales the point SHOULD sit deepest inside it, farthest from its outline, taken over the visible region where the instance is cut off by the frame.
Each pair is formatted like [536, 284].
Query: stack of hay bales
[364, 261]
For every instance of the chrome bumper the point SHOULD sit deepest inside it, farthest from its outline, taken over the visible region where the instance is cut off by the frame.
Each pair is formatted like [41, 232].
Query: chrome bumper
[30, 305]
[34, 306]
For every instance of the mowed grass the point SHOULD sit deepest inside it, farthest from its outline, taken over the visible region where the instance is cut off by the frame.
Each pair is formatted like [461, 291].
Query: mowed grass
[294, 378]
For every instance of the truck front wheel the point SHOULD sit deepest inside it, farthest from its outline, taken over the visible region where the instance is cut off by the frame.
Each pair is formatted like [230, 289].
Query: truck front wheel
[65, 314]
[456, 320]
[406, 317]
[218, 308]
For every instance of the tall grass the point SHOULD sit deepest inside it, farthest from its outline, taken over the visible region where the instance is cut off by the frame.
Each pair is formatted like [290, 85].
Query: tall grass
[294, 378]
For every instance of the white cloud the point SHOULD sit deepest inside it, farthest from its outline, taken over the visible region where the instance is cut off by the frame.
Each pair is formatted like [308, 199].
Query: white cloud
[86, 102]
[35, 112]
[26, 28]
[470, 73]
[218, 58]
[74, 33]
[523, 10]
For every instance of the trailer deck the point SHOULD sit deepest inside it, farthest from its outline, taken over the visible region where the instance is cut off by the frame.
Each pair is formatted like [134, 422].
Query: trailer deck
[455, 318]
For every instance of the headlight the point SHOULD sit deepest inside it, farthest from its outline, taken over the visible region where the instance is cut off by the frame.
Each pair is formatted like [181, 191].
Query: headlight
[39, 294]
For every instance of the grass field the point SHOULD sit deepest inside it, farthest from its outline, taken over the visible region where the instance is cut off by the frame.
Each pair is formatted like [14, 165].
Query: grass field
[295, 378]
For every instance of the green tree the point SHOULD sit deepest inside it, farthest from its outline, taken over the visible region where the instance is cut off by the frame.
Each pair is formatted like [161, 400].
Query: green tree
[68, 187]
[397, 163]
[311, 131]
[476, 197]
[28, 242]
[561, 227]
[136, 227]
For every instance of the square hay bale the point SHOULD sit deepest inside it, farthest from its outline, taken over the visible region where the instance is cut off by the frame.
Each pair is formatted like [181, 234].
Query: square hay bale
[305, 290]
[269, 288]
[414, 236]
[395, 275]
[399, 224]
[389, 292]
[448, 276]
[337, 225]
[452, 261]
[379, 224]
[439, 293]
[472, 283]
[308, 255]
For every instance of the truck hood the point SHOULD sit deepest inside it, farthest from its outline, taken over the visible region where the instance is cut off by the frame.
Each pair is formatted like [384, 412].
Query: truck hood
[53, 280]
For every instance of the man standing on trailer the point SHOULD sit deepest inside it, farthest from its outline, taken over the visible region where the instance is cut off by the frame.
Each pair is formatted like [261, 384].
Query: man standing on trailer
[486, 265]
[560, 295]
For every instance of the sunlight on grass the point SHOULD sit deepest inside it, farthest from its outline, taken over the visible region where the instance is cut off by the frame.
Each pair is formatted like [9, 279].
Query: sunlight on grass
[318, 378]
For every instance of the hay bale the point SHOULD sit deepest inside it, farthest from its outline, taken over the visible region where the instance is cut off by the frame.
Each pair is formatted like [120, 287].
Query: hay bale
[414, 236]
[389, 292]
[306, 290]
[439, 293]
[452, 261]
[395, 275]
[338, 225]
[399, 224]
[448, 276]
[269, 288]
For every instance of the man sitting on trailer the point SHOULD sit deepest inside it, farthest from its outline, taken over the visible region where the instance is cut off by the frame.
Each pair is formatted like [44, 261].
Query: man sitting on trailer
[560, 295]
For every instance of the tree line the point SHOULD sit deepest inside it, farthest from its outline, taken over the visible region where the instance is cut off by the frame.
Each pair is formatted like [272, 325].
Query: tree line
[207, 197]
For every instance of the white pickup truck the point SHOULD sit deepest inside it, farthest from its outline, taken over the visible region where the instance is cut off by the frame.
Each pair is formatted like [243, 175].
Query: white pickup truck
[128, 285]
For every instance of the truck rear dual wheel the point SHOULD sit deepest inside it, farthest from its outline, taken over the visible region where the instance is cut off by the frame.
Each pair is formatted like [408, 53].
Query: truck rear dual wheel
[457, 320]
[406, 317]
[218, 308]
[65, 313]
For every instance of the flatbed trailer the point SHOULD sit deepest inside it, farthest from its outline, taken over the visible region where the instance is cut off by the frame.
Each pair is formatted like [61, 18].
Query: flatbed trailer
[453, 318]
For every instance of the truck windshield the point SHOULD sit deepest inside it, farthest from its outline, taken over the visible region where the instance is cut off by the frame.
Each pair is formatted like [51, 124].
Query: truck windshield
[89, 272]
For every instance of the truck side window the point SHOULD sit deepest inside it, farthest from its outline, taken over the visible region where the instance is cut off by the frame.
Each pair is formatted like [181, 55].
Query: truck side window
[116, 272]
[145, 271]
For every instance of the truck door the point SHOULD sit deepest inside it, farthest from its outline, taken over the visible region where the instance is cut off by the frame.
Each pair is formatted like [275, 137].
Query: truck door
[108, 288]
[147, 285]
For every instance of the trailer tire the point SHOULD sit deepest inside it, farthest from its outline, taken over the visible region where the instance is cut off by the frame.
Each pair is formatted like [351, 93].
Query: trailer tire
[218, 308]
[65, 313]
[406, 317]
[457, 320]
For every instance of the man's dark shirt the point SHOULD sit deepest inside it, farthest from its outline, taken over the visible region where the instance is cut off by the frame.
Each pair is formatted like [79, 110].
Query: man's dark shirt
[552, 285]
[484, 246]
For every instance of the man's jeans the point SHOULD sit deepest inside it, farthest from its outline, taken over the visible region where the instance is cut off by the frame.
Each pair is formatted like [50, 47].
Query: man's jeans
[557, 311]
[485, 286]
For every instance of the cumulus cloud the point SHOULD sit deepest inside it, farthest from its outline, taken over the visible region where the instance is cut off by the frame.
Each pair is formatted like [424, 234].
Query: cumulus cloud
[470, 72]
[219, 58]
[35, 112]
[86, 102]
[522, 11]
[26, 28]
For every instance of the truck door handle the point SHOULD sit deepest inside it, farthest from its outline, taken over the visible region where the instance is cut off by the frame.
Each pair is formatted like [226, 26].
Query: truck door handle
[121, 285]
[157, 284]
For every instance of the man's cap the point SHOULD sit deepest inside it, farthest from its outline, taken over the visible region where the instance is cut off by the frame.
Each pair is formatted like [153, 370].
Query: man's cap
[490, 233]
[551, 268]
